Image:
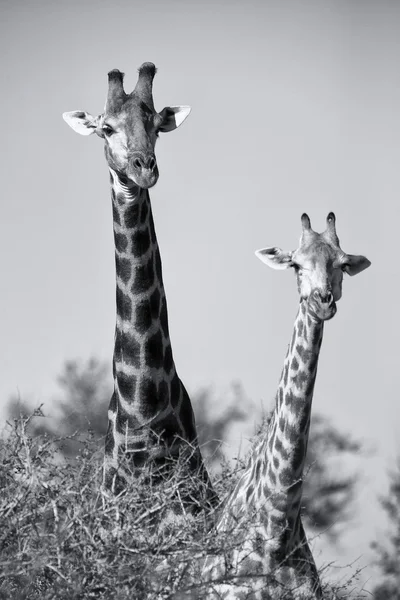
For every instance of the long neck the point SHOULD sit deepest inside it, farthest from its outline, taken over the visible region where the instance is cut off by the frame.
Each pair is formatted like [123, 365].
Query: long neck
[288, 431]
[272, 481]
[150, 417]
[142, 361]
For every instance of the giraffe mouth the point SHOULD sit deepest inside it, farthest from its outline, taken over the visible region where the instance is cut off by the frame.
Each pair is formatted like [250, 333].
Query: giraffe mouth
[321, 311]
[330, 312]
[146, 179]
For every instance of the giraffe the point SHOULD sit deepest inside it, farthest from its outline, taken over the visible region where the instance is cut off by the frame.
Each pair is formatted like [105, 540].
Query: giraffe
[150, 416]
[269, 555]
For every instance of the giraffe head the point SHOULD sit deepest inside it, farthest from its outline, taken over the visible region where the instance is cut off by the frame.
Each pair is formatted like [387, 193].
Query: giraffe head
[319, 263]
[130, 126]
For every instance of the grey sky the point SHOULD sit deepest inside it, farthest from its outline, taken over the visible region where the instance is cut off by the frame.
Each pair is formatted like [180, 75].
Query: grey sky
[295, 107]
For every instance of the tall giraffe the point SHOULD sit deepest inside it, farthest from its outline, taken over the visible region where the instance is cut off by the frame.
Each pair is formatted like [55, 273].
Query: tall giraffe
[262, 516]
[150, 417]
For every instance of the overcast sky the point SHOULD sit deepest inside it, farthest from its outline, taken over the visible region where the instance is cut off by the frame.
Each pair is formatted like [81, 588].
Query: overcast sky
[295, 107]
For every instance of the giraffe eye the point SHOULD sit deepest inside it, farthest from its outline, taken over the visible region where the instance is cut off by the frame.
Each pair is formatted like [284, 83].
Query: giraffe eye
[344, 267]
[108, 130]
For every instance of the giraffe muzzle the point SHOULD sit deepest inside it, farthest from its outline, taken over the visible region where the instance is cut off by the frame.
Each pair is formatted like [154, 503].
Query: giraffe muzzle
[322, 304]
[143, 170]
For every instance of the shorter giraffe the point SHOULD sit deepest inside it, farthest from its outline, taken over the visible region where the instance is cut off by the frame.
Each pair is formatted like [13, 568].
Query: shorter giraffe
[269, 556]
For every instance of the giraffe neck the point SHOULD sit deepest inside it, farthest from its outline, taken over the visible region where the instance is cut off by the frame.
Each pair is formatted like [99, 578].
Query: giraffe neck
[288, 431]
[144, 372]
[150, 417]
[272, 482]
[263, 511]
[142, 348]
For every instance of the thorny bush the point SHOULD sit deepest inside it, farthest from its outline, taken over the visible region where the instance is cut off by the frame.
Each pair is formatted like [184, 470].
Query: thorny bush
[63, 538]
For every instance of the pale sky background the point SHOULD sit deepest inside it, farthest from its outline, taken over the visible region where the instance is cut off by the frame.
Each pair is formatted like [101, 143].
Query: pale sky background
[295, 107]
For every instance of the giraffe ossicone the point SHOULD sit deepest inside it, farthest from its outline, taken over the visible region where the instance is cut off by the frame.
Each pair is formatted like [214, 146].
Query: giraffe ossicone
[150, 417]
[269, 554]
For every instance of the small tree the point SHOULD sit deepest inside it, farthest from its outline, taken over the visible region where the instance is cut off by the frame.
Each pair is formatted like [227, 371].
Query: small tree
[388, 555]
[61, 538]
[83, 407]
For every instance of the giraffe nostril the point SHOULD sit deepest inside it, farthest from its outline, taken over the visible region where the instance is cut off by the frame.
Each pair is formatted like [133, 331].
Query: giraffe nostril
[327, 298]
[142, 162]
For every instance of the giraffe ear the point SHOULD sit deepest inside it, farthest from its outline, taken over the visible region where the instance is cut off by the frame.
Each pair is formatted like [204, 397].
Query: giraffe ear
[81, 122]
[275, 257]
[172, 117]
[355, 264]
